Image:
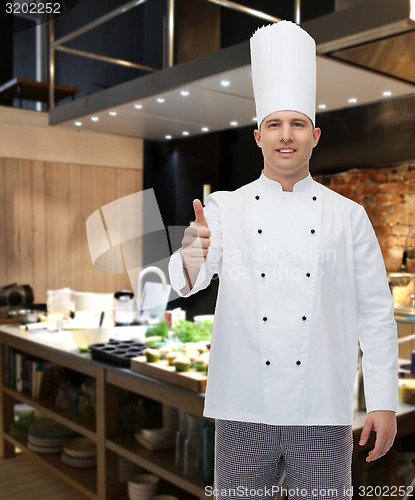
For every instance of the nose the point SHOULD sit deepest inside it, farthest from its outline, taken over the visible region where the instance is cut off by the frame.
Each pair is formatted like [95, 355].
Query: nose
[286, 133]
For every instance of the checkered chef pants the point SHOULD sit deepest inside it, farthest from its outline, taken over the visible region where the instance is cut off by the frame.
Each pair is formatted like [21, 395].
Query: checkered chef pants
[250, 459]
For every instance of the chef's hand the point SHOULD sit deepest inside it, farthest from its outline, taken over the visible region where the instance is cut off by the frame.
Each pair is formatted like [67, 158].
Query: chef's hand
[383, 422]
[195, 245]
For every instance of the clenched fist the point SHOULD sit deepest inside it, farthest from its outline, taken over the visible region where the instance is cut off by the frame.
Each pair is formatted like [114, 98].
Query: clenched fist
[196, 240]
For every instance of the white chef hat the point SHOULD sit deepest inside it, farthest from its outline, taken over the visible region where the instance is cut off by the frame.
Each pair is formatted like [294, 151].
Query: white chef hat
[283, 59]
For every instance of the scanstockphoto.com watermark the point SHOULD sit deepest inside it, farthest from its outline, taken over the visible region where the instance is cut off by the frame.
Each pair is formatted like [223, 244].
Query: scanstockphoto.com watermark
[245, 492]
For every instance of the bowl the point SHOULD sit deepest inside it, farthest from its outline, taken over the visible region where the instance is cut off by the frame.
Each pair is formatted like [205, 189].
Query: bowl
[164, 497]
[142, 486]
[155, 435]
[86, 337]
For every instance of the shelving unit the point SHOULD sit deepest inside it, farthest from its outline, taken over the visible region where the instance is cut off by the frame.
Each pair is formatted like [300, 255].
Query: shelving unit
[100, 482]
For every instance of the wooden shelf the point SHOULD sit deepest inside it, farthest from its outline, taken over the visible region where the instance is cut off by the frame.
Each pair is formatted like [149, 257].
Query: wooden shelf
[84, 480]
[85, 426]
[160, 463]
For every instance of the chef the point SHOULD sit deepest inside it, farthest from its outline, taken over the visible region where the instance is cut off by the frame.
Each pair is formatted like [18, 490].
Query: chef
[302, 281]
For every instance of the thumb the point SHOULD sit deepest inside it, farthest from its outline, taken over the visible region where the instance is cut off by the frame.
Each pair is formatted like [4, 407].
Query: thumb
[200, 216]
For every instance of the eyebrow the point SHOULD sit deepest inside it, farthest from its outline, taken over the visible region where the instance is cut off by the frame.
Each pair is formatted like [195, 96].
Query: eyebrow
[277, 120]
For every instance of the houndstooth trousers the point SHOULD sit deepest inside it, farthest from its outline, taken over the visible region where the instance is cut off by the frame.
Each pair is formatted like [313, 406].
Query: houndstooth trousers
[250, 459]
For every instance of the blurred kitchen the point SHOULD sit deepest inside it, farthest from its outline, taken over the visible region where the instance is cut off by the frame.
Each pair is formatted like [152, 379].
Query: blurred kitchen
[107, 98]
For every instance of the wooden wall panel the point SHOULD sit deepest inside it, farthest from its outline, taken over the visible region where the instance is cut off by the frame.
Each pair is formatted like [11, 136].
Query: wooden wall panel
[44, 206]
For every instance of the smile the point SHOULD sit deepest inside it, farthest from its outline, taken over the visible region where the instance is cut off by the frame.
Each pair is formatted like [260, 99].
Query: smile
[286, 150]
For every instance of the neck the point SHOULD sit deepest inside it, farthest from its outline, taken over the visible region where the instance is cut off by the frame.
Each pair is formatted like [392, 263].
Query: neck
[287, 182]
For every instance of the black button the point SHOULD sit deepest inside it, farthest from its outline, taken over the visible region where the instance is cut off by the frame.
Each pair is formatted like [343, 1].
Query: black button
[263, 275]
[257, 197]
[265, 318]
[314, 198]
[259, 231]
[298, 362]
[308, 275]
[313, 231]
[267, 362]
[304, 318]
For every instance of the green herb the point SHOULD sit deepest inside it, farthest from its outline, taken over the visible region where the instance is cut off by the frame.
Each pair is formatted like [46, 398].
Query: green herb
[188, 331]
[159, 330]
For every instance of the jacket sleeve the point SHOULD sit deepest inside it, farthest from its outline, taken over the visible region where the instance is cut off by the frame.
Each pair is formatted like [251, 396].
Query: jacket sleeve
[377, 325]
[214, 258]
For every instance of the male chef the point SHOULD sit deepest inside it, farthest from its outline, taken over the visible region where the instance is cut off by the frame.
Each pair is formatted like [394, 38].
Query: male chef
[302, 280]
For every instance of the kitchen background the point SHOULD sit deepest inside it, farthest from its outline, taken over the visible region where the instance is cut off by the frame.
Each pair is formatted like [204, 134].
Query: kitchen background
[53, 177]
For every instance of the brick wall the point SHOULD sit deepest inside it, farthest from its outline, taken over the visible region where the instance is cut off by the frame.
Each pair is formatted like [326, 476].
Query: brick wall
[388, 195]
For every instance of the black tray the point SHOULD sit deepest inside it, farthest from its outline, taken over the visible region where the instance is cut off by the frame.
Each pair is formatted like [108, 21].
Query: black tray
[119, 352]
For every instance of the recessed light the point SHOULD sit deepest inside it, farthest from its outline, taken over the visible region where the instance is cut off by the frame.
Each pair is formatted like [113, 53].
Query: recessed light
[113, 113]
[185, 93]
[205, 129]
[94, 118]
[160, 99]
[352, 100]
[234, 124]
[225, 83]
[387, 93]
[185, 132]
[138, 106]
[322, 106]
[78, 124]
[254, 118]
[168, 137]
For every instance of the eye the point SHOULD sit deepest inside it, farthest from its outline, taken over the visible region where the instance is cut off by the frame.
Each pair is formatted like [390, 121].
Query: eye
[298, 124]
[273, 125]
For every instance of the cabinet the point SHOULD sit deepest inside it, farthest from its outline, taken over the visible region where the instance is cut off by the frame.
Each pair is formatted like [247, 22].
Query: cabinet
[100, 482]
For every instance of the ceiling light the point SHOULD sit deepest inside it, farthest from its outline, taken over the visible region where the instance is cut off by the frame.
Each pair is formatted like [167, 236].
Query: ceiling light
[234, 124]
[138, 106]
[205, 129]
[352, 100]
[184, 93]
[387, 93]
[225, 83]
[113, 113]
[322, 106]
[168, 137]
[185, 132]
[254, 119]
[160, 99]
[78, 124]
[94, 118]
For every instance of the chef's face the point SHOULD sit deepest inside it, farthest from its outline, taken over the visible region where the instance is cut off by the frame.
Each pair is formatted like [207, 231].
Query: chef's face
[287, 139]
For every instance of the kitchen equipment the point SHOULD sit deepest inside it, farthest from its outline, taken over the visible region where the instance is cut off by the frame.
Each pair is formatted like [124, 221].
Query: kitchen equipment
[152, 297]
[125, 311]
[83, 338]
[118, 352]
[15, 295]
[59, 302]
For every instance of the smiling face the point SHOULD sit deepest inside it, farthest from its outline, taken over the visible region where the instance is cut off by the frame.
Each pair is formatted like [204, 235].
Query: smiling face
[287, 139]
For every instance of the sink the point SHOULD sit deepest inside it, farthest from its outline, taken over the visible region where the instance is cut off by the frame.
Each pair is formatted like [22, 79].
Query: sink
[400, 279]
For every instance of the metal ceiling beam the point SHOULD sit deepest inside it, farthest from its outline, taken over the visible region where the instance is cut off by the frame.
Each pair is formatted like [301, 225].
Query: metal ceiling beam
[362, 23]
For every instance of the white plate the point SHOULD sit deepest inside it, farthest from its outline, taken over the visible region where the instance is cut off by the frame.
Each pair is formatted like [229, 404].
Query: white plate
[81, 448]
[78, 462]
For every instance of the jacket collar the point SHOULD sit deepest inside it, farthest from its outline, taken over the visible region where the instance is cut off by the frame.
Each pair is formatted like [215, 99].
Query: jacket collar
[299, 187]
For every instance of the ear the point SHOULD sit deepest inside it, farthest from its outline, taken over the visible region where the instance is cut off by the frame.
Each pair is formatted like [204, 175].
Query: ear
[257, 135]
[316, 136]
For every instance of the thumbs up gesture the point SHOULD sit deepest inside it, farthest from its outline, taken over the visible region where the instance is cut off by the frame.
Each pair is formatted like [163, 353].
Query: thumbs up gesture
[196, 239]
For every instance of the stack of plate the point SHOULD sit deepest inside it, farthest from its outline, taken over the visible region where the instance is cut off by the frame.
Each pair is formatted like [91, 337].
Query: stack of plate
[79, 452]
[127, 470]
[47, 436]
[142, 486]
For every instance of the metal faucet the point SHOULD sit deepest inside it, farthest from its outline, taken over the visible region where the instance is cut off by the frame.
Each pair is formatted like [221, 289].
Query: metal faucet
[144, 272]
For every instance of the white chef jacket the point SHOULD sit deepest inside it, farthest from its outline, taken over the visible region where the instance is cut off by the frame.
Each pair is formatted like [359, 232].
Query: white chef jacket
[302, 278]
